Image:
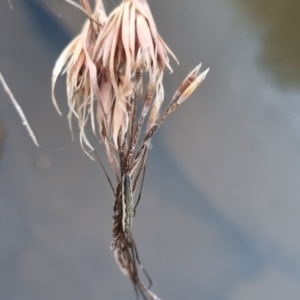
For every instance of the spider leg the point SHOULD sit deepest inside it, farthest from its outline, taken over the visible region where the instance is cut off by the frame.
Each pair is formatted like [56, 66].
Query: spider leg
[140, 192]
[105, 172]
[132, 271]
[136, 257]
[127, 259]
[136, 290]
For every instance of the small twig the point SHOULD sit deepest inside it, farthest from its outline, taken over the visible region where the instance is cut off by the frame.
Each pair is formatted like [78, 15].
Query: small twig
[19, 110]
[87, 13]
[184, 91]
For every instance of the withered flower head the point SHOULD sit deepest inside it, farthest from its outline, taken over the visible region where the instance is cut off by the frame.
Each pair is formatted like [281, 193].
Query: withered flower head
[75, 61]
[105, 65]
[129, 45]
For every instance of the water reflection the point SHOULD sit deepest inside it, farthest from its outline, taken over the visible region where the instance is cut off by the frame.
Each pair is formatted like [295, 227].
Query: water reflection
[280, 24]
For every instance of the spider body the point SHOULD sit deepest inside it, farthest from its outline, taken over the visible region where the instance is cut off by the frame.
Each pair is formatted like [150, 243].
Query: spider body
[127, 203]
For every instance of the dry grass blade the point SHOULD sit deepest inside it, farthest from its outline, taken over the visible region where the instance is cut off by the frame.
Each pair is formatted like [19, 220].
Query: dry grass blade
[192, 87]
[185, 90]
[19, 110]
[59, 64]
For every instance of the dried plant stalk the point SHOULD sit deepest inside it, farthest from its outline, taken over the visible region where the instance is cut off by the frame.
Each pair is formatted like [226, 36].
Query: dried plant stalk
[19, 110]
[106, 66]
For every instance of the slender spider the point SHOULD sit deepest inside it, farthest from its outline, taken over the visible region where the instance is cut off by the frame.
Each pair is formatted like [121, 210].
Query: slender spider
[123, 244]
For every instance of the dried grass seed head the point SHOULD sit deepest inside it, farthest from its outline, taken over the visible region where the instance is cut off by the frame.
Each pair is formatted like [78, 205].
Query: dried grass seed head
[129, 45]
[105, 65]
[75, 61]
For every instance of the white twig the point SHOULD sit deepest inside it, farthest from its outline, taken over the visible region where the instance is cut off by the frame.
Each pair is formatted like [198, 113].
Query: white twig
[19, 110]
[71, 2]
[76, 5]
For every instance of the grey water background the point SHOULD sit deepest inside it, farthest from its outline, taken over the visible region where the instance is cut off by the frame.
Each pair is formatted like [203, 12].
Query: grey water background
[219, 216]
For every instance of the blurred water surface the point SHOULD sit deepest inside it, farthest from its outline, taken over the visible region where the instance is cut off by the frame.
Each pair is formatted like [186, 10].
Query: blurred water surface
[219, 217]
